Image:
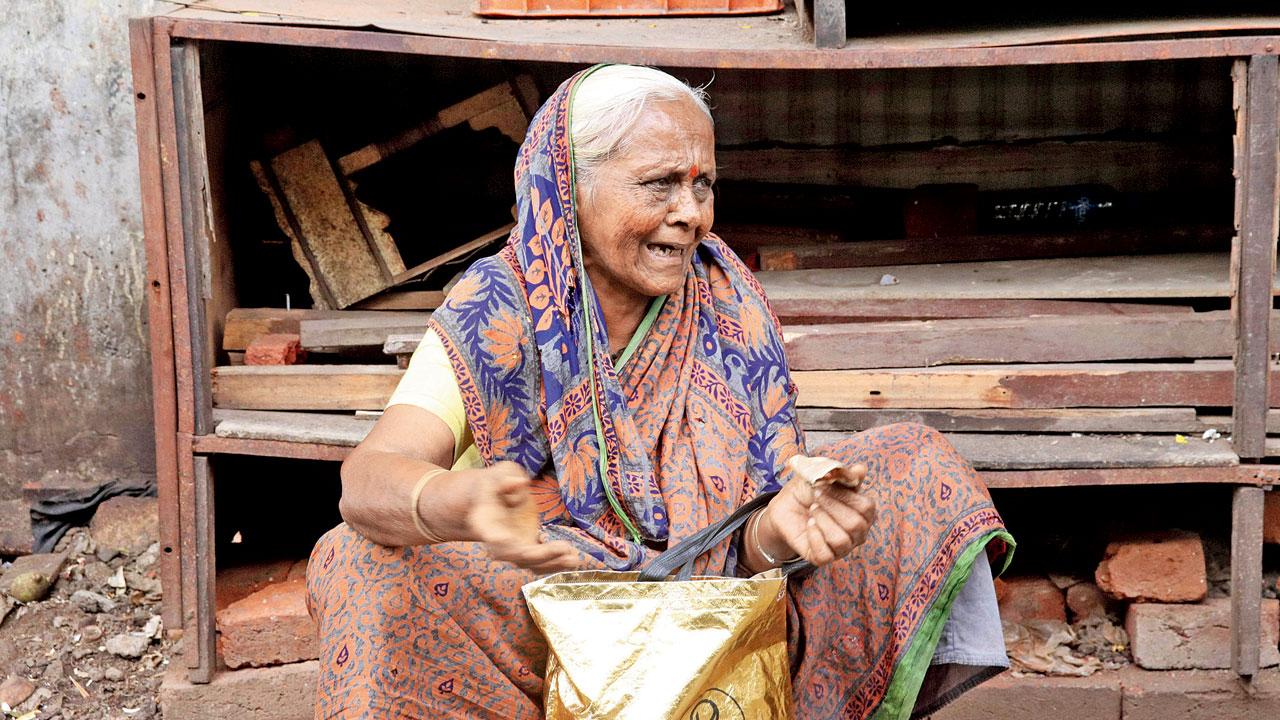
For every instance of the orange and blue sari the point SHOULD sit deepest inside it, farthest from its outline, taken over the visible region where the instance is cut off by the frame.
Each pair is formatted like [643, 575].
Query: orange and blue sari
[697, 419]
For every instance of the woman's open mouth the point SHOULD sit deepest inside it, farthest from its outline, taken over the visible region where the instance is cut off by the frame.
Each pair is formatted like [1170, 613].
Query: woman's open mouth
[663, 252]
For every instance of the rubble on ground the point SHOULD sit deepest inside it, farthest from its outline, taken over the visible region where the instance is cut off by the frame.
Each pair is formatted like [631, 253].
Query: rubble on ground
[93, 645]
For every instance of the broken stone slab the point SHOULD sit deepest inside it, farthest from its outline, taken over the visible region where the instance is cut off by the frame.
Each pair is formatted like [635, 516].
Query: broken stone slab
[126, 524]
[1194, 636]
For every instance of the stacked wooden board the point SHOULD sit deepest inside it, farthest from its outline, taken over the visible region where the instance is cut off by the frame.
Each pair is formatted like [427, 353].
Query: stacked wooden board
[1098, 363]
[1056, 363]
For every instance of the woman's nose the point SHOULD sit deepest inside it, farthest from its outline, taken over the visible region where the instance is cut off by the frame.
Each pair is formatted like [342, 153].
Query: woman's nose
[685, 208]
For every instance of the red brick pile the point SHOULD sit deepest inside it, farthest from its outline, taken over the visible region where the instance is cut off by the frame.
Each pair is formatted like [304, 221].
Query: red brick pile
[1171, 622]
[262, 615]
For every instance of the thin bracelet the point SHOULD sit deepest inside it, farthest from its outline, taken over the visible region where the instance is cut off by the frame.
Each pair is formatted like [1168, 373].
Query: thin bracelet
[427, 535]
[755, 539]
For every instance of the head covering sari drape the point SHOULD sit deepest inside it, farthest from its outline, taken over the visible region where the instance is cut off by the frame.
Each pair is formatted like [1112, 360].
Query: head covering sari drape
[700, 419]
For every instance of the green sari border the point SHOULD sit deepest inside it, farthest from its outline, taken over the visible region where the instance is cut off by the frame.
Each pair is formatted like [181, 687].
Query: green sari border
[904, 685]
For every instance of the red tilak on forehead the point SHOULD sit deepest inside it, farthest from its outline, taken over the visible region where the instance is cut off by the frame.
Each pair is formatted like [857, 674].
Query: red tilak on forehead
[693, 171]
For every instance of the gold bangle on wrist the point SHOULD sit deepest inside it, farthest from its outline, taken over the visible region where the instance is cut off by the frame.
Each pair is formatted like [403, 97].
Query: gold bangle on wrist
[755, 540]
[430, 537]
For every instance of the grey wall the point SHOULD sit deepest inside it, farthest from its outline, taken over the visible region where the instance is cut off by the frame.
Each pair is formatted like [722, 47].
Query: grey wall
[75, 399]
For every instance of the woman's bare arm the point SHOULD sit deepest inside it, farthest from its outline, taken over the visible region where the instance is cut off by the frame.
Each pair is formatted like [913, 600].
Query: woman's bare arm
[379, 475]
[480, 505]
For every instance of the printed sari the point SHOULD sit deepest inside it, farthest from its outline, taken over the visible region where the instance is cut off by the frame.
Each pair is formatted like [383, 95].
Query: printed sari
[698, 419]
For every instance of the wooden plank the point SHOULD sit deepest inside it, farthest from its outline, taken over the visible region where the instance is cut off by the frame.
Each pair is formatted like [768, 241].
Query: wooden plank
[1207, 383]
[448, 27]
[745, 237]
[453, 254]
[192, 169]
[1140, 166]
[1044, 452]
[295, 427]
[370, 330]
[328, 240]
[1069, 338]
[1254, 262]
[496, 107]
[403, 300]
[304, 387]
[245, 324]
[1271, 446]
[1246, 580]
[205, 639]
[1087, 477]
[872, 253]
[188, 550]
[214, 445]
[812, 310]
[1053, 420]
[1224, 421]
[1197, 275]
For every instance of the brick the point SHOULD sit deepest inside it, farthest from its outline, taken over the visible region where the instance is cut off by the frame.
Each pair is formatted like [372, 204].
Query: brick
[15, 527]
[1154, 567]
[1031, 598]
[1185, 637]
[241, 581]
[1271, 517]
[274, 349]
[1086, 600]
[270, 627]
[1005, 697]
[126, 524]
[286, 692]
[1198, 695]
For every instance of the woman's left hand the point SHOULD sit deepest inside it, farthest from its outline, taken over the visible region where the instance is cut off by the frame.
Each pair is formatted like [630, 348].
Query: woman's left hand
[820, 523]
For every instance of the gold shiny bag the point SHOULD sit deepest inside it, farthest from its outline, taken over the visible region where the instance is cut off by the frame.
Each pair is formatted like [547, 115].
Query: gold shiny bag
[628, 645]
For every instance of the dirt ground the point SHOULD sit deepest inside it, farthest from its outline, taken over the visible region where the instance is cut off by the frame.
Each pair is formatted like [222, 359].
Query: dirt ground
[94, 648]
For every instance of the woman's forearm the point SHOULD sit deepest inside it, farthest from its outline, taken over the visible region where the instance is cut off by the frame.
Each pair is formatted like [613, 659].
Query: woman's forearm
[377, 489]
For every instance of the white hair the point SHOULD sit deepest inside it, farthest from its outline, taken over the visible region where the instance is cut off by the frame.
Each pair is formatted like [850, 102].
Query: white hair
[606, 106]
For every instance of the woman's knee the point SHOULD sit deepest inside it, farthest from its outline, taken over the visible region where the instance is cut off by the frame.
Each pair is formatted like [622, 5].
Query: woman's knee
[335, 559]
[917, 432]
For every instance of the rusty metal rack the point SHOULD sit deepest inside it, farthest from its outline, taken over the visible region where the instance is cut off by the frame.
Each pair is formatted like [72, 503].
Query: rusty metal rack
[185, 301]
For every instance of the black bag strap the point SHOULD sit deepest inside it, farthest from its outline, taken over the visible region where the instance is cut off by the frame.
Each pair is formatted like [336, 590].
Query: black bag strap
[684, 555]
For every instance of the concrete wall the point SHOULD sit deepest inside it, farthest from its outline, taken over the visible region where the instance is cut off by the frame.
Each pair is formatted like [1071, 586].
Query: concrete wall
[75, 399]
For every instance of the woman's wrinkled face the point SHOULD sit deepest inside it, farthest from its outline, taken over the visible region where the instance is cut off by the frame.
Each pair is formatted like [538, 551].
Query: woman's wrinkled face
[650, 205]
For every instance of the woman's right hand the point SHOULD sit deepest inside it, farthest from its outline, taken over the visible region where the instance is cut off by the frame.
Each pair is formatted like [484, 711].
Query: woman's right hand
[503, 518]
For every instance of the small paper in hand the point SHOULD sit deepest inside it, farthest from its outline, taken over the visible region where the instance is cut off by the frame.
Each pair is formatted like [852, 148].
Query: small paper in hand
[817, 470]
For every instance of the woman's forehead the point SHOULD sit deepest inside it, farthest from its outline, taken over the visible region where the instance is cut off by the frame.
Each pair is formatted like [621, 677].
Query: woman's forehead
[669, 137]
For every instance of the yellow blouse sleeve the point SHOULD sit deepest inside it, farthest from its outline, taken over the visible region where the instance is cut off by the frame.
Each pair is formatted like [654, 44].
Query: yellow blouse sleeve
[429, 383]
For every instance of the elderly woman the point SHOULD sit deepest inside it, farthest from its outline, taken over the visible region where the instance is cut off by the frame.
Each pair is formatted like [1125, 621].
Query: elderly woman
[616, 368]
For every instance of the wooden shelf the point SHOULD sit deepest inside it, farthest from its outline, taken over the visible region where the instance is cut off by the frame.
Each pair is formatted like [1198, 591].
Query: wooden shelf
[214, 445]
[1066, 452]
[449, 28]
